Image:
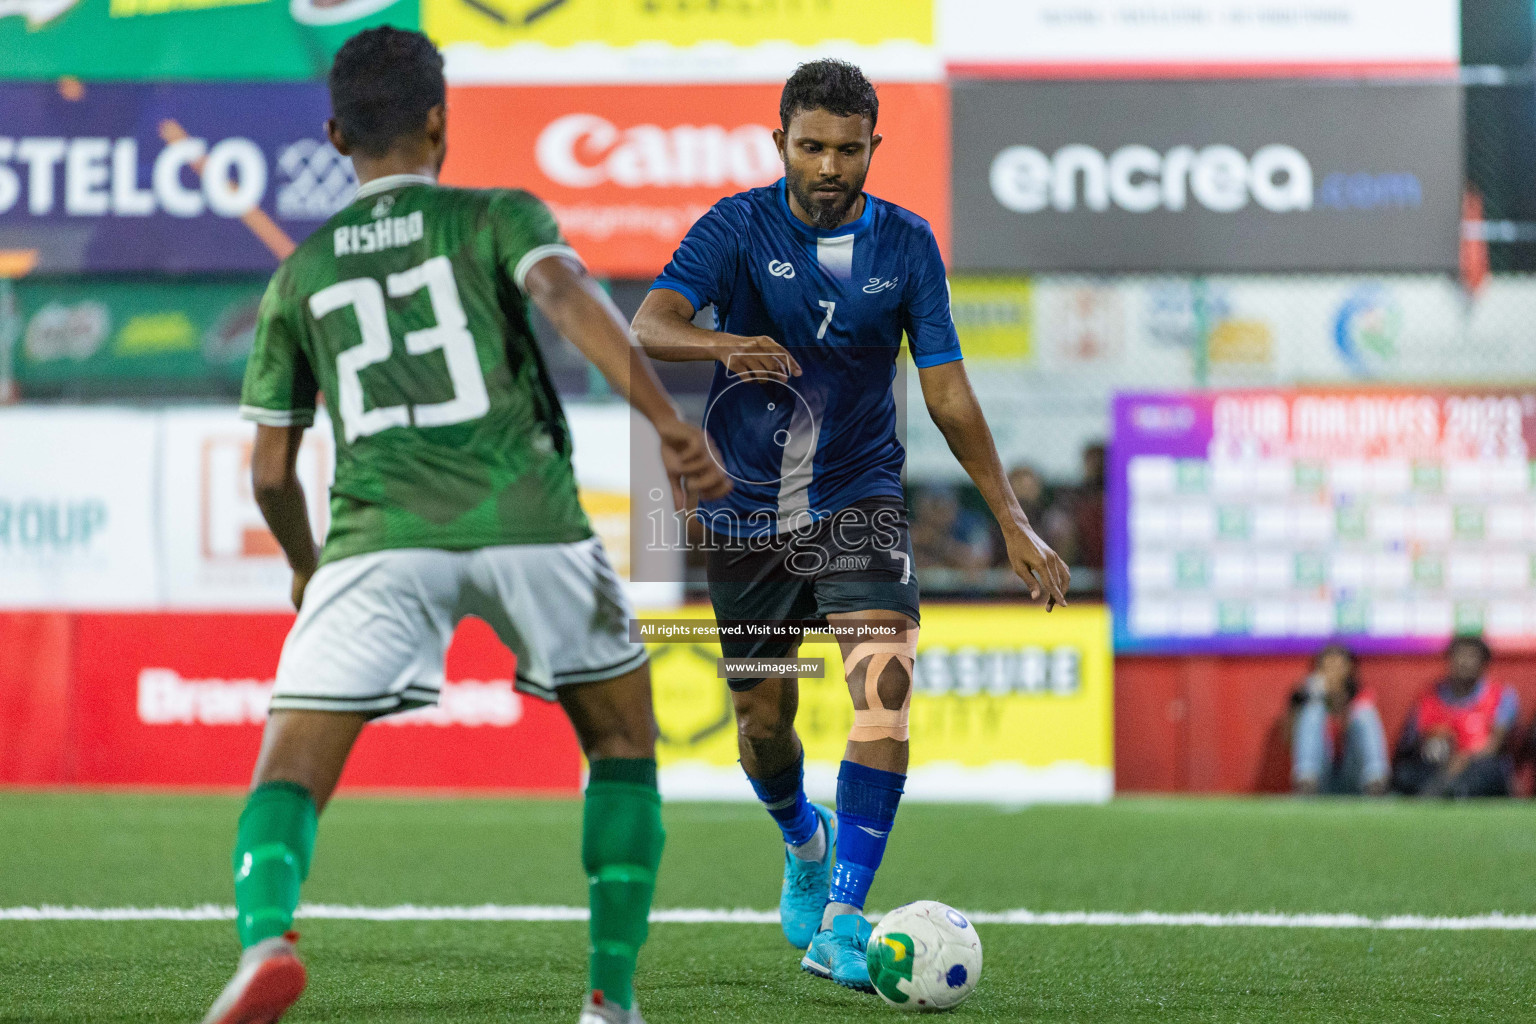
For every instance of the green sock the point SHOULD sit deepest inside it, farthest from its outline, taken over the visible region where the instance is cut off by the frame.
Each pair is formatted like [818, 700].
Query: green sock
[272, 851]
[621, 849]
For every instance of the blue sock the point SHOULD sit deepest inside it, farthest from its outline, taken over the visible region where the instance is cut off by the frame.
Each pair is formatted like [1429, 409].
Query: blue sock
[866, 809]
[784, 797]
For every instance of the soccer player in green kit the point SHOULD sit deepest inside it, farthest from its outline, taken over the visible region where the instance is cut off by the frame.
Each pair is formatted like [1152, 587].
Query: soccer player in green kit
[454, 495]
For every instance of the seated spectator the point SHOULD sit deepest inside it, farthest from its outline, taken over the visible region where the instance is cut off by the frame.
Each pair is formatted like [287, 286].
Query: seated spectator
[1338, 745]
[1034, 501]
[945, 535]
[1030, 490]
[1074, 523]
[1453, 743]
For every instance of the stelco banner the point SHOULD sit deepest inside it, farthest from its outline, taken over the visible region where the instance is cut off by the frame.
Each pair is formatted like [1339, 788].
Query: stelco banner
[1229, 176]
[140, 40]
[1011, 704]
[627, 170]
[173, 178]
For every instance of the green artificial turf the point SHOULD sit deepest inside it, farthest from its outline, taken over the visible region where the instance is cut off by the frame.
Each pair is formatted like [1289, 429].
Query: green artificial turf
[1372, 858]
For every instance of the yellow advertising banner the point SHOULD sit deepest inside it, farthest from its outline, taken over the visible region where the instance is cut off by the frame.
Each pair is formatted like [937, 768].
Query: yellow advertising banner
[994, 317]
[500, 23]
[1011, 704]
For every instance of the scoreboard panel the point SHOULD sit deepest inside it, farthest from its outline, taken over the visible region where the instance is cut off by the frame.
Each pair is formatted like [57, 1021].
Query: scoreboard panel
[1254, 522]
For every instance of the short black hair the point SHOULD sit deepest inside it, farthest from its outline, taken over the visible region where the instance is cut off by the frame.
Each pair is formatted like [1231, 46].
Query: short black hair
[1474, 641]
[383, 81]
[831, 85]
[1351, 681]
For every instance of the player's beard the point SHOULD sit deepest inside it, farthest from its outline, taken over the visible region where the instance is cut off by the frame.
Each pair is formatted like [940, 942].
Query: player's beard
[827, 210]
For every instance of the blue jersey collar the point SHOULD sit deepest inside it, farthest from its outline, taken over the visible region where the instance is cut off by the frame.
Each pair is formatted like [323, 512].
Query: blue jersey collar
[857, 227]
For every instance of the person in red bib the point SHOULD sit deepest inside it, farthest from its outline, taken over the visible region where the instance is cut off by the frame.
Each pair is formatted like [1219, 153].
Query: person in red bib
[1454, 742]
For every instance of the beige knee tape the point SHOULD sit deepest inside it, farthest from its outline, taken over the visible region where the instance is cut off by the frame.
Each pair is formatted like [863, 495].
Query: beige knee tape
[879, 722]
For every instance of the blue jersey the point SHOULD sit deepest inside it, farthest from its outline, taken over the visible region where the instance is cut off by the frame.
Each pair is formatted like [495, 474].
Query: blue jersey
[802, 448]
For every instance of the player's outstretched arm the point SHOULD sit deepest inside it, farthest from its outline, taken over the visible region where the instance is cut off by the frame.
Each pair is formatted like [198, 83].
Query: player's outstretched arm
[665, 328]
[955, 411]
[275, 481]
[581, 311]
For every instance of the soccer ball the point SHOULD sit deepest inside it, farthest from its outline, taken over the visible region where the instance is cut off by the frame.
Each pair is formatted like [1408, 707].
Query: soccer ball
[924, 957]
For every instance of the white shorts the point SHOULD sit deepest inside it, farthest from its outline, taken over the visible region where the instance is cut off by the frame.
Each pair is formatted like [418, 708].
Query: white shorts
[374, 627]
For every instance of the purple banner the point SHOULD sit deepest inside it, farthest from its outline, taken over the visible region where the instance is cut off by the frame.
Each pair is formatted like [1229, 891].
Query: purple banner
[163, 178]
[1266, 522]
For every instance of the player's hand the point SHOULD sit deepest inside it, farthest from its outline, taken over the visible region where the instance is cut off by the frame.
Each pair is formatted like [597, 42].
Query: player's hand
[1041, 569]
[759, 358]
[689, 463]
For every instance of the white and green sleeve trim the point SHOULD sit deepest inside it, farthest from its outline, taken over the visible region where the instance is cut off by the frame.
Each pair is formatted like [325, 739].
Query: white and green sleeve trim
[278, 417]
[534, 255]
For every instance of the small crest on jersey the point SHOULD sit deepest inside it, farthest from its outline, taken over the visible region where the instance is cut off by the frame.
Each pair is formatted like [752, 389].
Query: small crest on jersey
[383, 206]
[876, 285]
[781, 268]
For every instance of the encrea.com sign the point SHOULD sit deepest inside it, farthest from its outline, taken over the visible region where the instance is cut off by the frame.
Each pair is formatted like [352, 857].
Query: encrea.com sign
[1202, 176]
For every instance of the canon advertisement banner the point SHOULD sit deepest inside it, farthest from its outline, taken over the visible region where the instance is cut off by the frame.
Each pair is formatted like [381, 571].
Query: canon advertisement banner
[175, 178]
[1196, 176]
[1110, 38]
[627, 170]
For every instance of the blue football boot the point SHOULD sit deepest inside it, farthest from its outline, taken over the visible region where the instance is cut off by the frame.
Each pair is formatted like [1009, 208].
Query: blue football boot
[806, 884]
[837, 953]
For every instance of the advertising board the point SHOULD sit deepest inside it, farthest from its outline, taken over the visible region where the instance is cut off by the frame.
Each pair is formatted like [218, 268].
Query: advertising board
[154, 511]
[1252, 522]
[627, 170]
[630, 22]
[107, 336]
[213, 543]
[168, 699]
[165, 178]
[1010, 705]
[77, 509]
[170, 40]
[584, 42]
[1206, 176]
[1183, 38]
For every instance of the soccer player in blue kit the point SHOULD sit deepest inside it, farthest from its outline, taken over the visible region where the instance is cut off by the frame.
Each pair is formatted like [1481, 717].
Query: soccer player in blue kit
[814, 282]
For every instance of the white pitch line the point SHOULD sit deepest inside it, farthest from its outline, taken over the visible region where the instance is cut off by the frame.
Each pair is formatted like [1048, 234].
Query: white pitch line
[1078, 918]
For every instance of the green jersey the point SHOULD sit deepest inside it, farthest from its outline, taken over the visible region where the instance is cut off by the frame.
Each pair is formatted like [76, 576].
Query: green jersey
[407, 311]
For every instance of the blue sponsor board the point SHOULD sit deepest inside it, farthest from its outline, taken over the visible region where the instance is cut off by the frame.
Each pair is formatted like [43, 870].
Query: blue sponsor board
[168, 178]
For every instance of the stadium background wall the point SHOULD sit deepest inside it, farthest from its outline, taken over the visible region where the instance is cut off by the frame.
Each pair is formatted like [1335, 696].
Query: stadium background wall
[67, 718]
[1012, 706]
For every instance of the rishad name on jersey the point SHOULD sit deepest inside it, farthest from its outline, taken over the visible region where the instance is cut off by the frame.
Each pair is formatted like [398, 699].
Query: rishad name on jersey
[384, 233]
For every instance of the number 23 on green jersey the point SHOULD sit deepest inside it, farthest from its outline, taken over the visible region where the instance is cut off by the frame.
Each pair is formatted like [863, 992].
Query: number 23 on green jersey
[406, 310]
